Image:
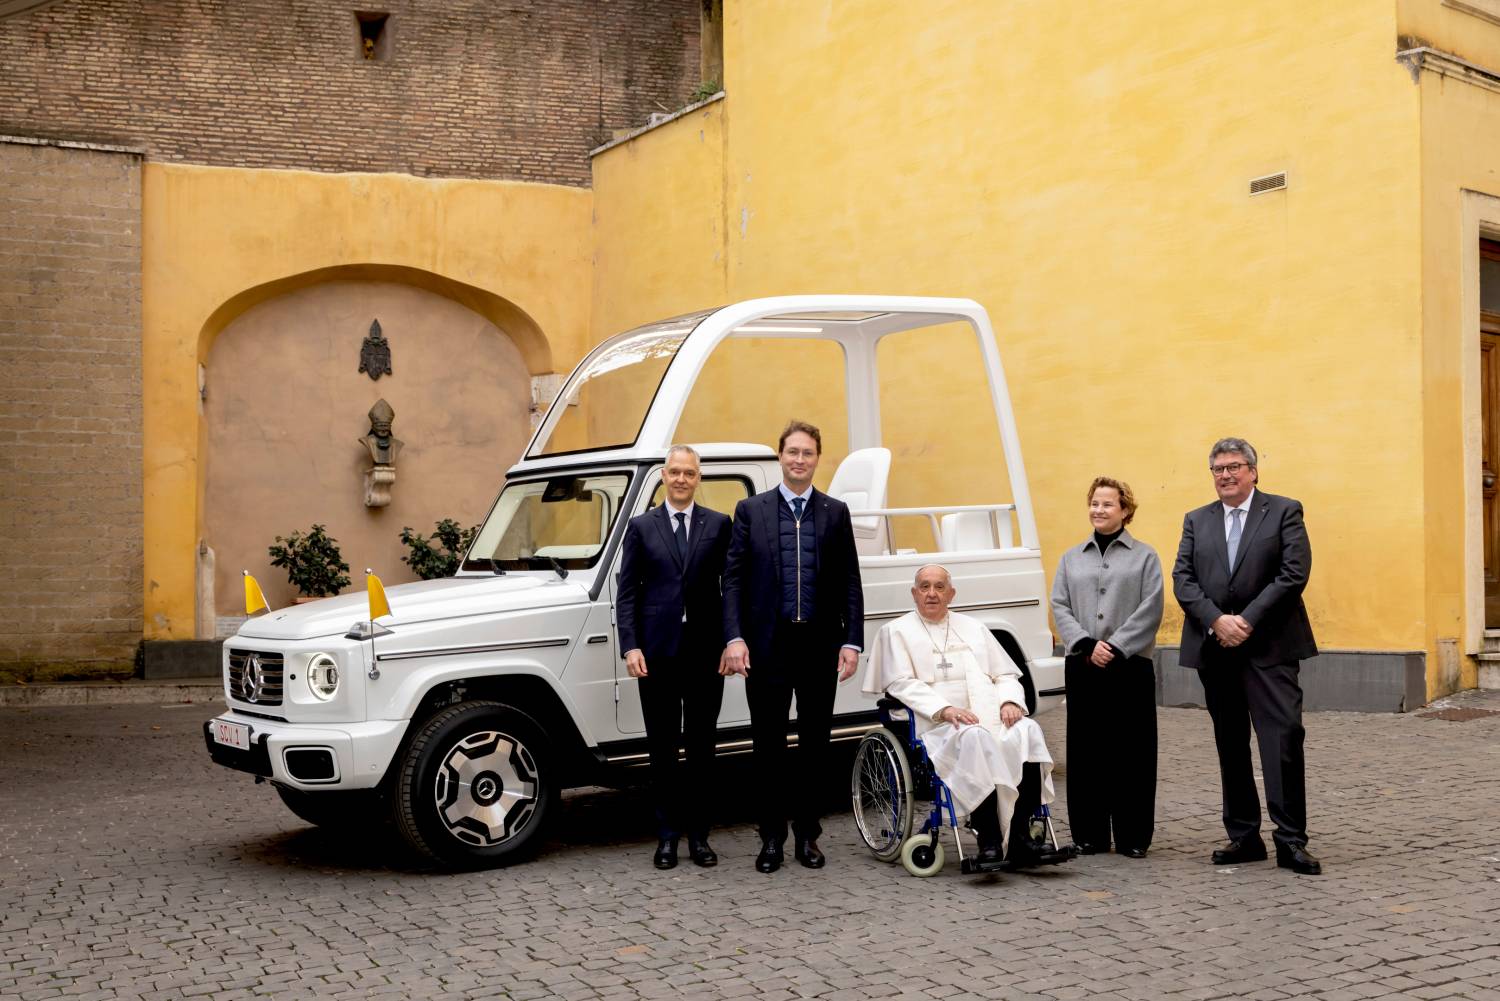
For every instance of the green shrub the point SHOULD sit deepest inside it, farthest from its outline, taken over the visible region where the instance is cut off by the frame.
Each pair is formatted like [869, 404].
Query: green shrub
[313, 562]
[428, 561]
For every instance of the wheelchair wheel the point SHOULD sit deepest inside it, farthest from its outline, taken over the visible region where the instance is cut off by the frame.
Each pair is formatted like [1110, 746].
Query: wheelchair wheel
[881, 789]
[922, 855]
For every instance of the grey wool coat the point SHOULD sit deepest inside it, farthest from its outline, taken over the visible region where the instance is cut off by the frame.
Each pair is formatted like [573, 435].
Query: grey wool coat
[1115, 596]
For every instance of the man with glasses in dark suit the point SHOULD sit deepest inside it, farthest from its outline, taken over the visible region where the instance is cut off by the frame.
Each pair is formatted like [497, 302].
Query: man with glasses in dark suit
[1241, 568]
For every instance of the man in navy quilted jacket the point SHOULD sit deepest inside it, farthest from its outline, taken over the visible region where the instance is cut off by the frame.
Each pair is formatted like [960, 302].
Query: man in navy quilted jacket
[794, 622]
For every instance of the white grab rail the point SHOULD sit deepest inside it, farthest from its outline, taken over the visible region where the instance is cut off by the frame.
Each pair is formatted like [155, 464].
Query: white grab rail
[931, 514]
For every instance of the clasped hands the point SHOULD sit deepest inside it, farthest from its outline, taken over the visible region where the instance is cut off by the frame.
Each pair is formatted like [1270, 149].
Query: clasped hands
[1231, 630]
[736, 660]
[1010, 715]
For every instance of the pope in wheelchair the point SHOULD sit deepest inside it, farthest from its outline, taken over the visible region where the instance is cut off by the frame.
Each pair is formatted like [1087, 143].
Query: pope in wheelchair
[960, 707]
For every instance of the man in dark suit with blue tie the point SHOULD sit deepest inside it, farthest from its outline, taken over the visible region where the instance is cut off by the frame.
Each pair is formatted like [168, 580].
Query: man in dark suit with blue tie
[670, 616]
[794, 618]
[1241, 568]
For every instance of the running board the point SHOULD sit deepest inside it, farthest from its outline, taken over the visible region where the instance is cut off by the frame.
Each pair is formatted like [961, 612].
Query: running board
[744, 746]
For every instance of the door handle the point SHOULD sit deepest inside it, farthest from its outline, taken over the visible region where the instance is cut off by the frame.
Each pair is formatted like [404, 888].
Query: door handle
[1488, 479]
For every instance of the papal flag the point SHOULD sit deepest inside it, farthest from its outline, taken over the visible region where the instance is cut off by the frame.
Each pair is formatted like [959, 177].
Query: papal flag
[255, 598]
[378, 605]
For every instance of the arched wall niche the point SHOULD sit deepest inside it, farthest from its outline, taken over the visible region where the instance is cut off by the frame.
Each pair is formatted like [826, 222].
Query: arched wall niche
[285, 406]
[504, 314]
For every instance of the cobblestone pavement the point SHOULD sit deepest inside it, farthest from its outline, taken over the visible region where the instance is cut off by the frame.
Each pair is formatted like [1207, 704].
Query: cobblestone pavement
[131, 867]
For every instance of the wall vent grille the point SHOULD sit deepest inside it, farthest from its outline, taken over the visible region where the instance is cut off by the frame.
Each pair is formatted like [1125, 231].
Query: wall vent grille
[1271, 182]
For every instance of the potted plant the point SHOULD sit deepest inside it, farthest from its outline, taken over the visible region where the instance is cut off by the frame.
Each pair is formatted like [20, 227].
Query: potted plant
[428, 561]
[312, 562]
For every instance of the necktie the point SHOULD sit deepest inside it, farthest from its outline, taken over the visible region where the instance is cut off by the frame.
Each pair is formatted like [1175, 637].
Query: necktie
[1234, 535]
[679, 533]
[797, 508]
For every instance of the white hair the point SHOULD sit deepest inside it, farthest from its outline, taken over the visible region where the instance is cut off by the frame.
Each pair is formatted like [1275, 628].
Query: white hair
[917, 579]
[690, 450]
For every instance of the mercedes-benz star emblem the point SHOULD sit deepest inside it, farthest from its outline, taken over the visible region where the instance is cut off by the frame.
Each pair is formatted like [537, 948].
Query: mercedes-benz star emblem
[254, 678]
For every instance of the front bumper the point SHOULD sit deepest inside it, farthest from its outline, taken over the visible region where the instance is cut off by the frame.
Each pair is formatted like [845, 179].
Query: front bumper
[361, 752]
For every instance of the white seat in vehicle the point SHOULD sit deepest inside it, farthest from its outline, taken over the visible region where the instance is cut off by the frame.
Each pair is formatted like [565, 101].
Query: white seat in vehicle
[860, 482]
[967, 531]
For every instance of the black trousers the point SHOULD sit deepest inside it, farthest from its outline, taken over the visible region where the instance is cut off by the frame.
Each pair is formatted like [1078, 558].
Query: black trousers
[986, 816]
[1238, 695]
[680, 699]
[803, 666]
[1111, 751]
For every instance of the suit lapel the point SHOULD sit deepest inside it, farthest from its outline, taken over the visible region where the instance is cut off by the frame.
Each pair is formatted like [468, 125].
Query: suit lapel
[819, 517]
[770, 524]
[664, 525]
[1213, 517]
[1253, 520]
[695, 535]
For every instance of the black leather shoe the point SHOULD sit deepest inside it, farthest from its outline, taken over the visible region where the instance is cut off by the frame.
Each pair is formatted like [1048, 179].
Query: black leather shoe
[1089, 848]
[1243, 850]
[1133, 852]
[808, 854]
[701, 854]
[1033, 856]
[770, 857]
[666, 854]
[1298, 859]
[990, 855]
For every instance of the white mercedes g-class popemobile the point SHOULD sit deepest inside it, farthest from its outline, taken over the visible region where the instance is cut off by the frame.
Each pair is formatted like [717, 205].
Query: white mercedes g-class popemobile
[462, 715]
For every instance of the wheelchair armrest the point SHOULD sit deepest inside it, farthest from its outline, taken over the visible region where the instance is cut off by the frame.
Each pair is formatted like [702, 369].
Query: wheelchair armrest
[888, 703]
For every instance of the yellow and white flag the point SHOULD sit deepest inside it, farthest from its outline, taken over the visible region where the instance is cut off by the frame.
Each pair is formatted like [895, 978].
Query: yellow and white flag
[255, 598]
[378, 605]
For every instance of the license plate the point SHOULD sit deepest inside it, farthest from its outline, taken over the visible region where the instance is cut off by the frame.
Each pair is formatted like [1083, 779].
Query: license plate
[231, 734]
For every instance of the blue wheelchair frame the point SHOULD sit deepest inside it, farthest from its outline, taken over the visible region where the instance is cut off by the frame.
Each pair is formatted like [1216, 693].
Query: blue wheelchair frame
[897, 716]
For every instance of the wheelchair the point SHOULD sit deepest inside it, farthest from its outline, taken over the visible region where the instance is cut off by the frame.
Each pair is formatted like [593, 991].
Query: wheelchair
[892, 774]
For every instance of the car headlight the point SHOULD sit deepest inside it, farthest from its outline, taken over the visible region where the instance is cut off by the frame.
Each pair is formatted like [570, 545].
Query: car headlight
[323, 676]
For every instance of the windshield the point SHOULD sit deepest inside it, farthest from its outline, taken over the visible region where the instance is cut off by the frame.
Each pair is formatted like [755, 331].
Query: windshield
[604, 404]
[566, 518]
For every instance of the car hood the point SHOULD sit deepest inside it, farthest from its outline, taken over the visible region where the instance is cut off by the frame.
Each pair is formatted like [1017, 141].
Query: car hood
[421, 601]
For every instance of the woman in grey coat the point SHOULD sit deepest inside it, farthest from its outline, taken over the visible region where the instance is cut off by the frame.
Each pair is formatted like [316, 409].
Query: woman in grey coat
[1107, 602]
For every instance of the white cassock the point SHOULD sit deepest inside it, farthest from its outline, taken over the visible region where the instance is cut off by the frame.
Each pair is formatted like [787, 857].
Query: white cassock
[960, 663]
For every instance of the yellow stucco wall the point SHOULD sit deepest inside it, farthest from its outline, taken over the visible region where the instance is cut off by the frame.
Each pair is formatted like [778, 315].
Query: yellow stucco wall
[1084, 174]
[1460, 125]
[216, 241]
[1451, 28]
[659, 226]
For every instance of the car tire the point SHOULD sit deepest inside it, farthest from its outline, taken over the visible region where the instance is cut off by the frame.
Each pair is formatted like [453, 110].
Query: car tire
[476, 787]
[334, 809]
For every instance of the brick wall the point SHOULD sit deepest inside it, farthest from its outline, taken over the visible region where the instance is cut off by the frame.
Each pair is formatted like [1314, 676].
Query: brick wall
[70, 409]
[513, 89]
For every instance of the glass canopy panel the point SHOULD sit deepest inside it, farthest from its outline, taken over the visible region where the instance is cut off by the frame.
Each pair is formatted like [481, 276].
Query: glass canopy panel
[606, 401]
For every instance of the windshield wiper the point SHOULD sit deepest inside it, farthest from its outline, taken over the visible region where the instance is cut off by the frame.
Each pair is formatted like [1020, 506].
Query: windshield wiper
[551, 561]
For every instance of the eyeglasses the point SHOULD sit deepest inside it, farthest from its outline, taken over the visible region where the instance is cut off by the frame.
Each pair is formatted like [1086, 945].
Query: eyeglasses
[1232, 468]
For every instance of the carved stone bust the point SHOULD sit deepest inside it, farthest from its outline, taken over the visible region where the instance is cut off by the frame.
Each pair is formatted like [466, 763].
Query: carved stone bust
[382, 445]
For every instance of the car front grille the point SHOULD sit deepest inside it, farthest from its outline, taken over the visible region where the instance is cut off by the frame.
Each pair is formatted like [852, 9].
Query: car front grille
[255, 677]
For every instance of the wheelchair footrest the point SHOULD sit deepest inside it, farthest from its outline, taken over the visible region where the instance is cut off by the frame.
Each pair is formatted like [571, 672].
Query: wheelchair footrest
[974, 867]
[1051, 856]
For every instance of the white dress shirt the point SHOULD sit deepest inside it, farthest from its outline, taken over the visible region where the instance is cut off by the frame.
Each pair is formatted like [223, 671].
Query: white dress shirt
[787, 495]
[687, 523]
[1229, 519]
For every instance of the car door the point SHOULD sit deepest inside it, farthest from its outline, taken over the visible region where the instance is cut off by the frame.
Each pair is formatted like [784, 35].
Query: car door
[721, 489]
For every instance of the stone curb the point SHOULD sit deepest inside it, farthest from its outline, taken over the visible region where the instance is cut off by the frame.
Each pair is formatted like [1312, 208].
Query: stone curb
[188, 690]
